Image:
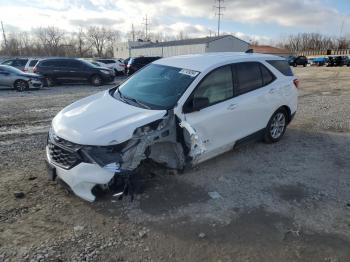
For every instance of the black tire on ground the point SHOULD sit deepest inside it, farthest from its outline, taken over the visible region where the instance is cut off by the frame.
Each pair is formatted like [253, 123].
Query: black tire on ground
[21, 85]
[276, 126]
[305, 65]
[295, 64]
[96, 80]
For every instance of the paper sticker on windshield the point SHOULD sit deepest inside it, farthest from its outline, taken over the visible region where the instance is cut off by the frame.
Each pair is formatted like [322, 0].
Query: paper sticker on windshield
[189, 72]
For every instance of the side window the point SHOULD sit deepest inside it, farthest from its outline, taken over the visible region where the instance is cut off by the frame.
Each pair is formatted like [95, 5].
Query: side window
[74, 64]
[9, 62]
[217, 86]
[33, 62]
[266, 74]
[282, 66]
[248, 76]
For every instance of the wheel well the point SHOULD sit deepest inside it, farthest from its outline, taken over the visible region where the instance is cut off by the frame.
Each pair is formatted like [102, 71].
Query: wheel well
[289, 113]
[17, 80]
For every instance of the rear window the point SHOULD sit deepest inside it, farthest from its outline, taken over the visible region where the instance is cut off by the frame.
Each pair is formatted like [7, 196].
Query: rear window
[282, 66]
[33, 62]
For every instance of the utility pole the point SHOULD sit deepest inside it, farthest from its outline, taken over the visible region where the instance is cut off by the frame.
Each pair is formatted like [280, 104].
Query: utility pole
[146, 23]
[133, 32]
[219, 12]
[3, 34]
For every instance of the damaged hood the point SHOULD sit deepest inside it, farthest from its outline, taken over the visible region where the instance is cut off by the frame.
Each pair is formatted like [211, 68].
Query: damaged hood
[101, 120]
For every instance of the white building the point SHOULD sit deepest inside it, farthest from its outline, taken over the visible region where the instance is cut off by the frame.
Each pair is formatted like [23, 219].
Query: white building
[123, 49]
[224, 43]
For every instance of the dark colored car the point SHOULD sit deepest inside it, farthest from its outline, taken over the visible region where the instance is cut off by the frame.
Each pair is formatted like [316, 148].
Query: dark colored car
[58, 70]
[136, 63]
[338, 61]
[298, 60]
[18, 63]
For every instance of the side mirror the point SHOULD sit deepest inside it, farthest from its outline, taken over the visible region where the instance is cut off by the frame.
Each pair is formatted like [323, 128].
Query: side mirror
[196, 104]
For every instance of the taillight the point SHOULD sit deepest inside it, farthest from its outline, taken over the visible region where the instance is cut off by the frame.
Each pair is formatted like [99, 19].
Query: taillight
[34, 70]
[296, 83]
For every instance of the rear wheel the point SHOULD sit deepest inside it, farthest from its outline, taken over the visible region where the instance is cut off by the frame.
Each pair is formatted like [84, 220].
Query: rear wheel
[96, 80]
[276, 127]
[21, 85]
[295, 64]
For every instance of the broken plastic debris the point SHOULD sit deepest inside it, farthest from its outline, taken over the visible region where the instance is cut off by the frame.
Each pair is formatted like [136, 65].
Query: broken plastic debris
[214, 195]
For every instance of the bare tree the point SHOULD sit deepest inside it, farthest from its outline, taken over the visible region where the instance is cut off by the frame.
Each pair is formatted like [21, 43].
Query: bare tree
[50, 39]
[101, 38]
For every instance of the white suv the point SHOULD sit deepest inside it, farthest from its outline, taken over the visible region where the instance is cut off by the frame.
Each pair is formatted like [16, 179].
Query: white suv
[177, 111]
[116, 64]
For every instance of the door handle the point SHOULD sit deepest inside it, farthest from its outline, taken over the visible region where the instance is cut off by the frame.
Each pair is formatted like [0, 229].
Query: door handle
[232, 106]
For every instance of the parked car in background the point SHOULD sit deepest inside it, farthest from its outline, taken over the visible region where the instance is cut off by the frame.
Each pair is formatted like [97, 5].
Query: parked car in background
[99, 64]
[15, 78]
[116, 64]
[178, 111]
[136, 63]
[338, 61]
[298, 60]
[30, 65]
[18, 63]
[57, 70]
[126, 62]
[318, 61]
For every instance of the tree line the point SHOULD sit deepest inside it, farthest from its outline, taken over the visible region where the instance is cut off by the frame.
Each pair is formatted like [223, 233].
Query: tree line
[95, 41]
[52, 41]
[314, 42]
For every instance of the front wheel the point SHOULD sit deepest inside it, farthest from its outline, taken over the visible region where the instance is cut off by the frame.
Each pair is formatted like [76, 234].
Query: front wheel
[276, 127]
[96, 80]
[21, 85]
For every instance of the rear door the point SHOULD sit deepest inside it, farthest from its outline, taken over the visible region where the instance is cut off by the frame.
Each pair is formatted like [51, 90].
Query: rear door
[4, 77]
[255, 94]
[77, 70]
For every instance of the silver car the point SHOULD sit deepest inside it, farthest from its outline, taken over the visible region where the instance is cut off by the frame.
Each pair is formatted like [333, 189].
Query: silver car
[12, 77]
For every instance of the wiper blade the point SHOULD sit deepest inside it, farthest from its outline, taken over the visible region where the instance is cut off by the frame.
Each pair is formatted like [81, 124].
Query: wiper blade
[137, 102]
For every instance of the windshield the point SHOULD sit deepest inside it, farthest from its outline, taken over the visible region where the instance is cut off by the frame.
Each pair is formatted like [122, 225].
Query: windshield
[156, 86]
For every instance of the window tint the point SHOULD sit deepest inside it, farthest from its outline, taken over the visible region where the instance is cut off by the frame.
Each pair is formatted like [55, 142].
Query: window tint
[49, 63]
[74, 64]
[21, 62]
[248, 77]
[9, 62]
[217, 86]
[33, 62]
[282, 66]
[267, 76]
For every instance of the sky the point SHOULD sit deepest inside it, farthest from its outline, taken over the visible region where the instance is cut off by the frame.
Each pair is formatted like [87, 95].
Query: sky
[265, 21]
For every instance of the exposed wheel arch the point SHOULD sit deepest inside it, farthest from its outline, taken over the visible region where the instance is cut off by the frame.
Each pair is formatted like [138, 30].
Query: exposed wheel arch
[289, 113]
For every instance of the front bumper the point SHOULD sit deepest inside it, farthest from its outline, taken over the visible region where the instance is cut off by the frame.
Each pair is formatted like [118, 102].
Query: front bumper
[35, 84]
[82, 177]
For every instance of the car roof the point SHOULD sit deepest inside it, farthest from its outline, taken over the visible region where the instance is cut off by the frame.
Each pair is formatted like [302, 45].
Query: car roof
[202, 62]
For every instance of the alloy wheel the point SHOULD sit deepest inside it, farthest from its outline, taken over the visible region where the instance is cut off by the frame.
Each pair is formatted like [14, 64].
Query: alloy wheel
[278, 125]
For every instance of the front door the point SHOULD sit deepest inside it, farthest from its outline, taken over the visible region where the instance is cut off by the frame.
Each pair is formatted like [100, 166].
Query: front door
[213, 124]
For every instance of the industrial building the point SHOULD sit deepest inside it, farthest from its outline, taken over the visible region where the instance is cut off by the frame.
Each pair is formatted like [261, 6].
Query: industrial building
[271, 50]
[224, 43]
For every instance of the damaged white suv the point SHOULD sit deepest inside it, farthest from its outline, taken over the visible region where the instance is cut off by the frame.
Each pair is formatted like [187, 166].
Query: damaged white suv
[177, 111]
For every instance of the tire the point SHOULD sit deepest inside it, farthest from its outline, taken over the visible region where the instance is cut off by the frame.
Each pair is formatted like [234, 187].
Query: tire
[305, 65]
[21, 85]
[276, 126]
[295, 65]
[96, 80]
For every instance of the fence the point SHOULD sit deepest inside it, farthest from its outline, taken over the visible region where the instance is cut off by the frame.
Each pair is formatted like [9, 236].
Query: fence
[325, 52]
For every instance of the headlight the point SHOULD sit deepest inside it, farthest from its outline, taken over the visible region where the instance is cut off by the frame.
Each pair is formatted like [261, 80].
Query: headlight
[104, 155]
[156, 125]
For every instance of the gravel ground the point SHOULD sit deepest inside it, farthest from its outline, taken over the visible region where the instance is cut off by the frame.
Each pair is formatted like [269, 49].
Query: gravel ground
[288, 201]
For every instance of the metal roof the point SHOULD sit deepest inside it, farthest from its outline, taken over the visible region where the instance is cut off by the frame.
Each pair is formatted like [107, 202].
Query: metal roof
[193, 41]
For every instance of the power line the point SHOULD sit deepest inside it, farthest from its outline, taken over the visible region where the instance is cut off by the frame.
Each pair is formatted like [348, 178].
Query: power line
[219, 12]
